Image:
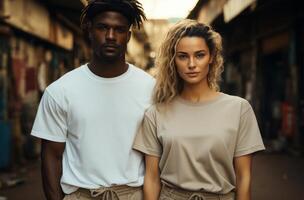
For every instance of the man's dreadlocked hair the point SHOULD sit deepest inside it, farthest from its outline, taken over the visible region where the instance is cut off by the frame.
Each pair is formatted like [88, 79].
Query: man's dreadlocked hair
[131, 9]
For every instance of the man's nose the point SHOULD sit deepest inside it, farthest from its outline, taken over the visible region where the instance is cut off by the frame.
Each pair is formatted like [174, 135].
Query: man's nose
[110, 34]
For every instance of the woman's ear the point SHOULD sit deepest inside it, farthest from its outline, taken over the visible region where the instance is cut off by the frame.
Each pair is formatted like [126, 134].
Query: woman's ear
[211, 59]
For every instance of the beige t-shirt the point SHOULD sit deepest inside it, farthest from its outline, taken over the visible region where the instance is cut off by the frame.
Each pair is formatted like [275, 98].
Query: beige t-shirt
[196, 142]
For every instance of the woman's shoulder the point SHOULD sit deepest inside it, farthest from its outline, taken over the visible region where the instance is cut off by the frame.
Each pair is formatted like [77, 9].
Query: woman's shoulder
[237, 101]
[155, 111]
[234, 98]
[151, 109]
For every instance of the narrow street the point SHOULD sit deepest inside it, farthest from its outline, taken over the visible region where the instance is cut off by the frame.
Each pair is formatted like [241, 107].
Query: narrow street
[262, 44]
[275, 176]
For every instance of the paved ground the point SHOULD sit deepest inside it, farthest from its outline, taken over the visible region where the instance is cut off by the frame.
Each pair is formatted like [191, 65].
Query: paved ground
[30, 188]
[275, 177]
[278, 177]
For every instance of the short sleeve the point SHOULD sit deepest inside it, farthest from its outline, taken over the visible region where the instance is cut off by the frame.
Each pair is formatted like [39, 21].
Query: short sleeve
[51, 120]
[249, 139]
[146, 139]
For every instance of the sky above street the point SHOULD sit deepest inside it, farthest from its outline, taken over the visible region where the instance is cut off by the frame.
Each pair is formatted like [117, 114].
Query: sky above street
[166, 9]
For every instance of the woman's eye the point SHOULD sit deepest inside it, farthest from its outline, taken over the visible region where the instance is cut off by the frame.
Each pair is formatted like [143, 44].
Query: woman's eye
[182, 57]
[201, 55]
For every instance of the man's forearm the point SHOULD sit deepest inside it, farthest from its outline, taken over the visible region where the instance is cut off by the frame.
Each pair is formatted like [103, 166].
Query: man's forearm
[51, 174]
[51, 169]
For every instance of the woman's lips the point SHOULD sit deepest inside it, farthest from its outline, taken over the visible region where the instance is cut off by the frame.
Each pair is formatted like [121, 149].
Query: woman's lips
[192, 74]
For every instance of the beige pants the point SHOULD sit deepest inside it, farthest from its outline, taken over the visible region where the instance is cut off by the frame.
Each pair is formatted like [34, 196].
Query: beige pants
[169, 193]
[122, 192]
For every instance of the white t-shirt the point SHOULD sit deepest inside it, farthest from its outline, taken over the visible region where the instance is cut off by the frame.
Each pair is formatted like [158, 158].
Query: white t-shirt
[97, 118]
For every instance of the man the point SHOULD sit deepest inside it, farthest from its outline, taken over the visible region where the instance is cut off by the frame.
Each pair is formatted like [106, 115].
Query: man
[88, 118]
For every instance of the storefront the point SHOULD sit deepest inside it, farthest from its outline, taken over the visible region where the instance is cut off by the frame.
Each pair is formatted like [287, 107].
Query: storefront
[34, 52]
[264, 63]
[5, 126]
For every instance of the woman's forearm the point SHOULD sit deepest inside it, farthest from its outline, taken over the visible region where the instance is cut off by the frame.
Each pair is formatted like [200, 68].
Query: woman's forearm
[242, 166]
[152, 188]
[152, 183]
[243, 188]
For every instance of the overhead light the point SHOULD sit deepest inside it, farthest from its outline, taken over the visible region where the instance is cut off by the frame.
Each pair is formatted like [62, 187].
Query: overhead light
[84, 2]
[169, 9]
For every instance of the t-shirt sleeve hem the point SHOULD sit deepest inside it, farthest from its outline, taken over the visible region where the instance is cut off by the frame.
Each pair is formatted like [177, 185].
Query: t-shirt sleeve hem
[146, 150]
[249, 151]
[47, 137]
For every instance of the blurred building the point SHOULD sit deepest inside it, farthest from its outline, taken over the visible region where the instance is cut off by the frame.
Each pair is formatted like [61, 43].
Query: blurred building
[138, 52]
[156, 30]
[38, 44]
[264, 52]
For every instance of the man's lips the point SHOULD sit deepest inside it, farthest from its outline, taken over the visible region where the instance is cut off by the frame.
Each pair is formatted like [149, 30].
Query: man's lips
[110, 46]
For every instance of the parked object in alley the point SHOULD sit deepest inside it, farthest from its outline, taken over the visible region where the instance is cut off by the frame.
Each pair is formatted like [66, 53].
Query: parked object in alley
[11, 182]
[12, 179]
[5, 144]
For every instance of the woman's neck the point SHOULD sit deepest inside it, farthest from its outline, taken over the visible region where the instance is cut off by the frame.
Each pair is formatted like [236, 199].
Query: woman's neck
[198, 92]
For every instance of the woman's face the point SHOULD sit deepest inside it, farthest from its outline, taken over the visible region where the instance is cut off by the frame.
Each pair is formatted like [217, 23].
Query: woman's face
[192, 60]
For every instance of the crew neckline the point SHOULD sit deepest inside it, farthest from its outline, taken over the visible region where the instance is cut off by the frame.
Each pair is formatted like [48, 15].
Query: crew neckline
[109, 80]
[206, 102]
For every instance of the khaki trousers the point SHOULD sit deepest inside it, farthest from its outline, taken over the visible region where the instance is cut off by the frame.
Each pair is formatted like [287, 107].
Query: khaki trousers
[122, 192]
[170, 193]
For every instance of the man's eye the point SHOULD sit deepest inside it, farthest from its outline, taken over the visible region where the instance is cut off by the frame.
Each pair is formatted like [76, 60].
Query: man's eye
[121, 30]
[102, 27]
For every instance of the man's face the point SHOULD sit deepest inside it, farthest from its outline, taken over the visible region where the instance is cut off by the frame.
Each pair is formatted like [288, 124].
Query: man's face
[109, 35]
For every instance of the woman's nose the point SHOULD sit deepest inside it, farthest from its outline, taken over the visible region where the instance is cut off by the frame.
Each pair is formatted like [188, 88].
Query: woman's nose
[191, 64]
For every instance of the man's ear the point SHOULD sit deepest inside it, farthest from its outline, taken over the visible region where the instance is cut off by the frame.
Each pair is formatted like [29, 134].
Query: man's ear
[129, 36]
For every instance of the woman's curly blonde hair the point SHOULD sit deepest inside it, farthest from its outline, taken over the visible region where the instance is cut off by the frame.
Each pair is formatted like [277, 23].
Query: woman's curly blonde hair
[168, 83]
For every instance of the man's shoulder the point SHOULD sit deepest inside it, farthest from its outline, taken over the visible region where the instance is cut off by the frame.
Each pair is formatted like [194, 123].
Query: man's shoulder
[140, 72]
[139, 75]
[69, 79]
[73, 74]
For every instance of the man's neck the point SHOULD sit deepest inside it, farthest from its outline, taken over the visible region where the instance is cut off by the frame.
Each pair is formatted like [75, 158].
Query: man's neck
[108, 69]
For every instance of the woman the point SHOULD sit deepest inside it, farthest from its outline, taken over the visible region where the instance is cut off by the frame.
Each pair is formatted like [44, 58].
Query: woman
[198, 141]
